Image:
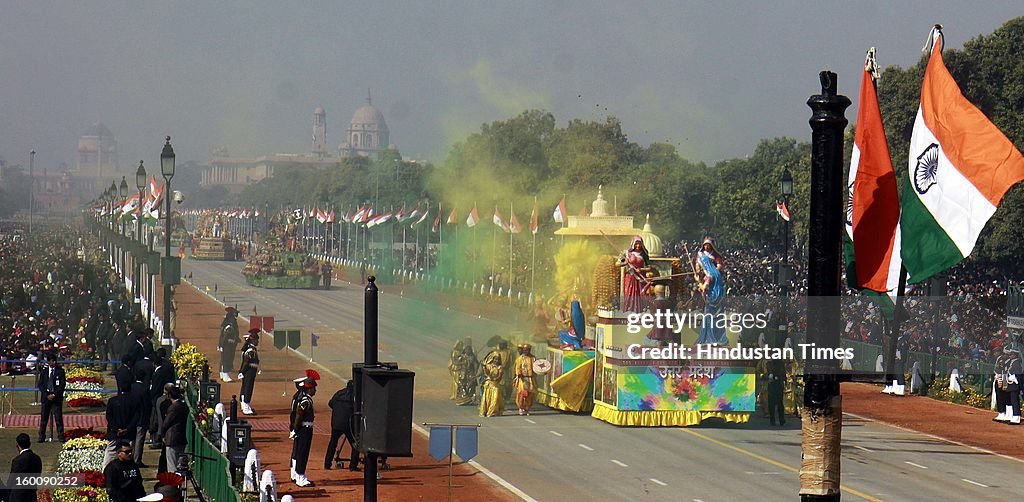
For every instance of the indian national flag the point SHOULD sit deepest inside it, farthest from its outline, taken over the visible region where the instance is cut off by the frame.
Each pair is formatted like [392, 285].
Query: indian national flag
[560, 213]
[473, 218]
[873, 206]
[960, 166]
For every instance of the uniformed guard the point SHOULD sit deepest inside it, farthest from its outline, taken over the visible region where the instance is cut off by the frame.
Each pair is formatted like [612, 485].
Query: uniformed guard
[248, 369]
[302, 426]
[227, 342]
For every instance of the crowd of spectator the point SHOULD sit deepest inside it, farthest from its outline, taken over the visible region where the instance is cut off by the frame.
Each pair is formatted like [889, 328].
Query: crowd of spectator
[966, 321]
[60, 301]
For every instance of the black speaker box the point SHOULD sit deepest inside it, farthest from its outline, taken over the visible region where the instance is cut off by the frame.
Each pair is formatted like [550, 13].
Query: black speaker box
[385, 427]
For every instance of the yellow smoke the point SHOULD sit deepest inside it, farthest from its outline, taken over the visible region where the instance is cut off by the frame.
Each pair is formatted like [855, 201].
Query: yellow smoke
[574, 267]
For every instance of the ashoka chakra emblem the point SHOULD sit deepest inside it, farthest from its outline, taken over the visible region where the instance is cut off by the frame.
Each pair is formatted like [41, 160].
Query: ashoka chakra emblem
[927, 169]
[849, 205]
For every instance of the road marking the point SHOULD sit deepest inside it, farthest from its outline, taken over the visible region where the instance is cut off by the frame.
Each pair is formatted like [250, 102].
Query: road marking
[662, 483]
[585, 447]
[559, 434]
[772, 462]
[913, 464]
[933, 436]
[863, 448]
[531, 421]
[974, 483]
[620, 464]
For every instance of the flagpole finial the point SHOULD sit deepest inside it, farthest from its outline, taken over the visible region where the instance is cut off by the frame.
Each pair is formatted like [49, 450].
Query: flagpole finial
[935, 34]
[871, 64]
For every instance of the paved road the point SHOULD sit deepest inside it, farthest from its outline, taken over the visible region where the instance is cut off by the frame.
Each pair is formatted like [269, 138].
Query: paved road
[555, 456]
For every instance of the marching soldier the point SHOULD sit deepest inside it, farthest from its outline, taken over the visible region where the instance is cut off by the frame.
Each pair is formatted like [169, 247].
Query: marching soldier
[302, 426]
[248, 369]
[228, 342]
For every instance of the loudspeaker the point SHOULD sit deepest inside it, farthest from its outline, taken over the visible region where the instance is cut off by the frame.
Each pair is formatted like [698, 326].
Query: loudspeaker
[385, 427]
[239, 442]
[209, 393]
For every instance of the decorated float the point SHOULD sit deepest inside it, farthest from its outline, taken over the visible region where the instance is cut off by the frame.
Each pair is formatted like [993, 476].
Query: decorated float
[597, 362]
[212, 240]
[276, 264]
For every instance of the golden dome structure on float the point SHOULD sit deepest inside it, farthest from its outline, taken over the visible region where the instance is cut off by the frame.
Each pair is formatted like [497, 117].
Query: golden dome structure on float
[651, 240]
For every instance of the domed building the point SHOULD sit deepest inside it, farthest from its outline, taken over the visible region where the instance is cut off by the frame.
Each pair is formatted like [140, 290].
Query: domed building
[367, 133]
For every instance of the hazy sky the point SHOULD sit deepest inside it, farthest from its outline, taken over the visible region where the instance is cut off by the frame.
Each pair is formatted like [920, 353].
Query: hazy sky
[711, 78]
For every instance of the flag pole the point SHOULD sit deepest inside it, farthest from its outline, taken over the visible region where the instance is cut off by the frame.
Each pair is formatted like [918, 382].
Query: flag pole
[494, 250]
[510, 234]
[440, 239]
[533, 259]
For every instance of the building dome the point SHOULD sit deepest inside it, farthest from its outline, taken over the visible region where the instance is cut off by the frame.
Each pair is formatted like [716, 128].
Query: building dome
[97, 130]
[367, 134]
[368, 117]
[319, 110]
[651, 241]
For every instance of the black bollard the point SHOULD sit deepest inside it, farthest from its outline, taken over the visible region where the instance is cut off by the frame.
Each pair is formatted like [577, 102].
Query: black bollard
[369, 361]
[821, 418]
[206, 372]
[234, 409]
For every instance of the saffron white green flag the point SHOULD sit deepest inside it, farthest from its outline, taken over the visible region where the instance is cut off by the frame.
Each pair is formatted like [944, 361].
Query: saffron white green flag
[960, 166]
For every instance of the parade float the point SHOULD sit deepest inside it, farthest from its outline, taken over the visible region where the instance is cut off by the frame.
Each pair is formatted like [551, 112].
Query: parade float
[596, 364]
[212, 240]
[276, 264]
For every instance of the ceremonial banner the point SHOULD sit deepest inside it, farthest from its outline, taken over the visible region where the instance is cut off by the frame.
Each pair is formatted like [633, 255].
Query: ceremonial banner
[440, 442]
[466, 443]
[960, 166]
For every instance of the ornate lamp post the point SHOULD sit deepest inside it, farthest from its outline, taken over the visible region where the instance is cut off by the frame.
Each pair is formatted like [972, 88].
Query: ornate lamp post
[122, 191]
[112, 192]
[167, 170]
[785, 275]
[140, 184]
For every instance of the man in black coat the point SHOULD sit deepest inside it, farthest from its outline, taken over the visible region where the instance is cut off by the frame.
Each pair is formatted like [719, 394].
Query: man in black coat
[141, 406]
[27, 462]
[51, 394]
[136, 348]
[123, 376]
[120, 424]
[163, 374]
[172, 430]
[342, 412]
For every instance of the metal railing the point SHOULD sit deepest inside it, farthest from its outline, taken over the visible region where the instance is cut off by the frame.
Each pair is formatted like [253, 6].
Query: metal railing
[211, 468]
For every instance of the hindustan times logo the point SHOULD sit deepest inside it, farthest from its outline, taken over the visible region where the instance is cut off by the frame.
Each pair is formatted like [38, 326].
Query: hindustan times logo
[734, 322]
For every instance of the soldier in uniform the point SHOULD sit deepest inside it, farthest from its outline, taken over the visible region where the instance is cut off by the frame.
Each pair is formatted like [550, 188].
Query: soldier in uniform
[302, 426]
[228, 342]
[1009, 374]
[248, 369]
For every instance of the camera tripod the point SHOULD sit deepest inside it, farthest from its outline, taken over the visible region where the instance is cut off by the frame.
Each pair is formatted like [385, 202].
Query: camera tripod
[184, 468]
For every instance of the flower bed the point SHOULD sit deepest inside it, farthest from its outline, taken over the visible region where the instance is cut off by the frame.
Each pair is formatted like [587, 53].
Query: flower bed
[81, 454]
[86, 402]
[84, 494]
[83, 432]
[79, 373]
[84, 394]
[189, 362]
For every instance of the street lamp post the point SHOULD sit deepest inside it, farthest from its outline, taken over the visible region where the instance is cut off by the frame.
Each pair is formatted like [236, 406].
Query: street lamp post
[167, 170]
[140, 183]
[122, 190]
[785, 276]
[32, 187]
[112, 191]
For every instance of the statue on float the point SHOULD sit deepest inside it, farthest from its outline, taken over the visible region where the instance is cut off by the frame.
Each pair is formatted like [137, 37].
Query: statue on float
[709, 271]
